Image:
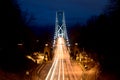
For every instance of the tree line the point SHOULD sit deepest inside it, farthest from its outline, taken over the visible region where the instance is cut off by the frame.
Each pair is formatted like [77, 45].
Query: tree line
[101, 34]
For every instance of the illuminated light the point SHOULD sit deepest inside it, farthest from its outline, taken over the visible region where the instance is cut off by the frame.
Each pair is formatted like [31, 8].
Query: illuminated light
[62, 67]
[40, 57]
[29, 57]
[52, 67]
[80, 59]
[20, 44]
[54, 70]
[91, 59]
[76, 44]
[60, 40]
[46, 44]
[37, 40]
[57, 69]
[35, 53]
[27, 72]
[68, 44]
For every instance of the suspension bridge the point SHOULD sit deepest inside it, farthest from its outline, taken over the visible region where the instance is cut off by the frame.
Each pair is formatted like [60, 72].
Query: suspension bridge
[61, 67]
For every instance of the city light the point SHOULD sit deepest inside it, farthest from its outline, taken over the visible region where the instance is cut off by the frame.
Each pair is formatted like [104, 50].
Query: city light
[46, 44]
[20, 44]
[76, 44]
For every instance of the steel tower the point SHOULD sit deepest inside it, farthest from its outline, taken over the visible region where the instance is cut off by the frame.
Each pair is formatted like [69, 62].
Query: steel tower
[60, 27]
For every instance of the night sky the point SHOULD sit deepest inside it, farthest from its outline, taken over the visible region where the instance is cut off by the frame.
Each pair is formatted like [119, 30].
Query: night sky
[76, 11]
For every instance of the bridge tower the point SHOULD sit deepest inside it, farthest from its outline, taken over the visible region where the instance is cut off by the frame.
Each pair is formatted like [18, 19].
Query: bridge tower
[47, 52]
[76, 51]
[60, 27]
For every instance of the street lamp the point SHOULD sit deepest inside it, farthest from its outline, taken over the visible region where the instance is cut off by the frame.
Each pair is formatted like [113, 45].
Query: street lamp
[37, 40]
[76, 44]
[27, 72]
[46, 44]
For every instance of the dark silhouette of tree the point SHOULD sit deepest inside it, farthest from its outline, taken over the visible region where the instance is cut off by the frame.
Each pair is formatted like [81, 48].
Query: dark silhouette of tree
[13, 31]
[101, 34]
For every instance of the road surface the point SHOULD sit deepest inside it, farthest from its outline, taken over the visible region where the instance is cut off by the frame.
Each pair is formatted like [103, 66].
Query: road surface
[62, 67]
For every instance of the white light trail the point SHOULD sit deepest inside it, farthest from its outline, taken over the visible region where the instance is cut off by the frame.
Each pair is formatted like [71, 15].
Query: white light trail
[53, 65]
[62, 68]
[61, 58]
[59, 68]
[54, 70]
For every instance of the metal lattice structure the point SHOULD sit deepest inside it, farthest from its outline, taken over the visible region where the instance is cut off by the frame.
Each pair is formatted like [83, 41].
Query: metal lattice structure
[60, 27]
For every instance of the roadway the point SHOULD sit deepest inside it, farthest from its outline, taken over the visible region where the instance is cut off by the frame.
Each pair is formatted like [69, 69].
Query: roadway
[61, 67]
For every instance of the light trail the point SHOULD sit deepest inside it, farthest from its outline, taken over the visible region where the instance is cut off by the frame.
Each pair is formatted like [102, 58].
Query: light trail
[53, 71]
[61, 68]
[52, 67]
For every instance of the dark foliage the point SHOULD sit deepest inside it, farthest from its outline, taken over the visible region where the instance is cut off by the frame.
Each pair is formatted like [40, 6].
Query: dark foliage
[101, 34]
[13, 30]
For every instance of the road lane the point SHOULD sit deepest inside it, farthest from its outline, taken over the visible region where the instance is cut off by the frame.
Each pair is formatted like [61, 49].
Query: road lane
[62, 67]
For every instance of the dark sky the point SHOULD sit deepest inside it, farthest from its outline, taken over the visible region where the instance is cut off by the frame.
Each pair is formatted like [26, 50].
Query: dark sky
[75, 10]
